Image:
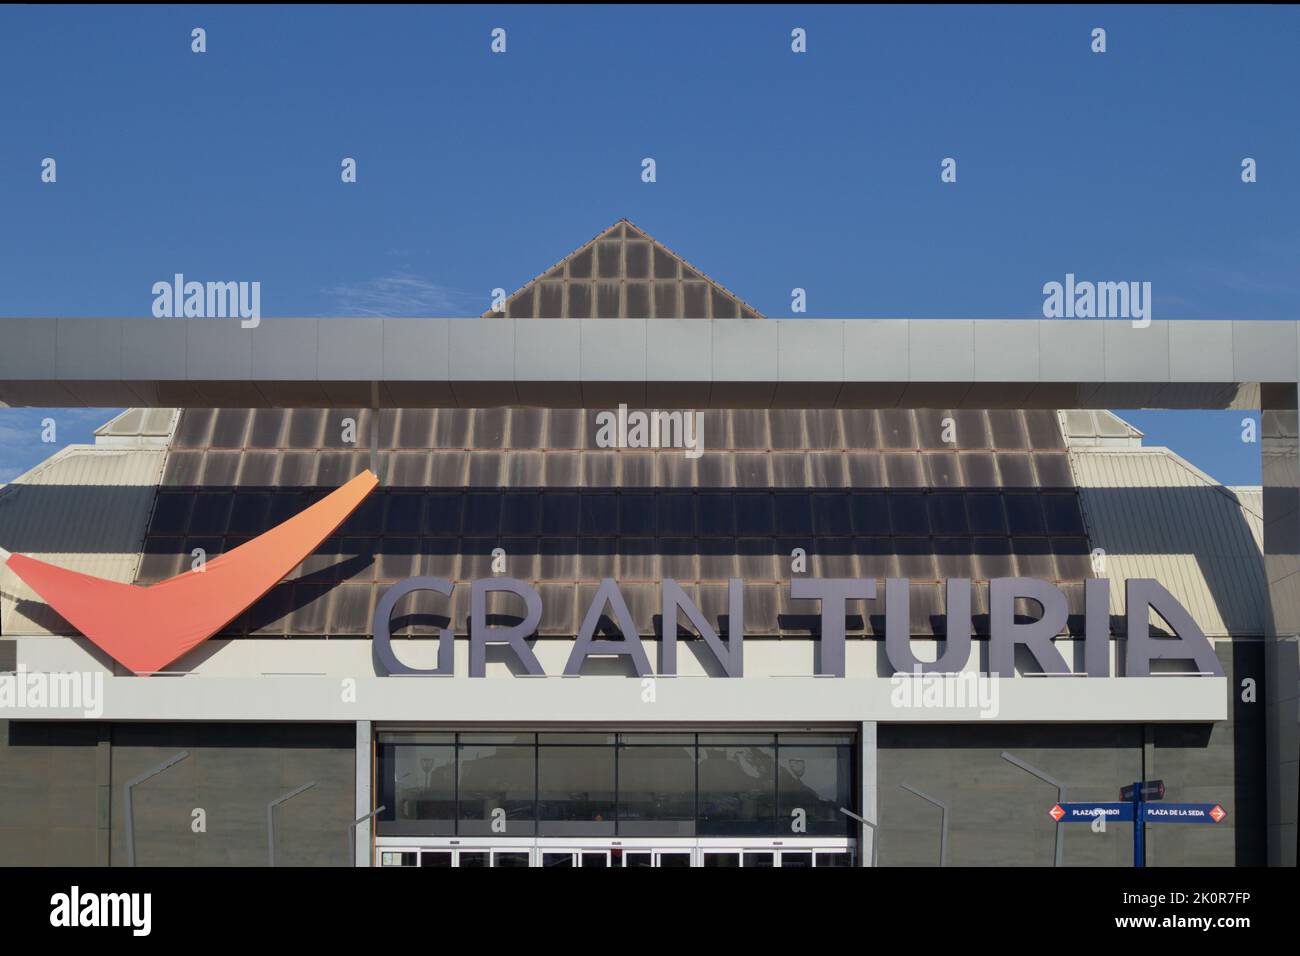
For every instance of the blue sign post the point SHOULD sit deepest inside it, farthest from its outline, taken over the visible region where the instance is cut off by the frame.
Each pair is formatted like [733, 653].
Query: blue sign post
[1134, 808]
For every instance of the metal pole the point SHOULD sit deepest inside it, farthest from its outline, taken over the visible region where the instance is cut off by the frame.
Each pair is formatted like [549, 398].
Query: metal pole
[130, 811]
[866, 823]
[1059, 851]
[270, 818]
[352, 829]
[943, 821]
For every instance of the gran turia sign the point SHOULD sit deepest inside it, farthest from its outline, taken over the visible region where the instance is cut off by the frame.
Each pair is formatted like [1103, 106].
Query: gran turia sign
[726, 646]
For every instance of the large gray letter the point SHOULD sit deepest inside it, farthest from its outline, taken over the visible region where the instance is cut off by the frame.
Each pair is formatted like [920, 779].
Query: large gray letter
[1005, 633]
[630, 646]
[833, 593]
[480, 635]
[731, 656]
[898, 629]
[382, 645]
[1096, 628]
[1188, 642]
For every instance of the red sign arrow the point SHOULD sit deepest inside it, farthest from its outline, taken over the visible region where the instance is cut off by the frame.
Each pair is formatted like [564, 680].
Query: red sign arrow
[1056, 812]
[1218, 813]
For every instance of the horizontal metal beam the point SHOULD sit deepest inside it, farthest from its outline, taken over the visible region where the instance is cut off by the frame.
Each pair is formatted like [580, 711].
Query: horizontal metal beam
[795, 363]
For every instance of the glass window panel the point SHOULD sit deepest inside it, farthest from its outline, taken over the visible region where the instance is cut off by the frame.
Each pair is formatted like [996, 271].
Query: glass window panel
[823, 428]
[474, 858]
[753, 470]
[757, 558]
[866, 469]
[636, 514]
[183, 469]
[915, 558]
[562, 469]
[993, 558]
[1016, 470]
[496, 778]
[754, 514]
[482, 514]
[903, 470]
[638, 469]
[268, 426]
[580, 264]
[550, 304]
[1034, 558]
[1062, 515]
[789, 470]
[675, 860]
[787, 428]
[451, 428]
[657, 791]
[170, 514]
[717, 558]
[724, 307]
[400, 559]
[638, 559]
[1073, 561]
[1053, 470]
[835, 859]
[367, 517]
[220, 468]
[210, 514]
[520, 305]
[310, 602]
[270, 615]
[608, 260]
[638, 859]
[694, 305]
[229, 427]
[1007, 428]
[258, 468]
[248, 514]
[1024, 514]
[557, 610]
[485, 469]
[711, 471]
[334, 468]
[747, 427]
[447, 469]
[575, 790]
[941, 469]
[677, 557]
[596, 560]
[861, 428]
[871, 513]
[831, 514]
[984, 512]
[608, 300]
[637, 255]
[350, 611]
[674, 514]
[559, 514]
[930, 427]
[796, 858]
[1044, 429]
[971, 428]
[560, 860]
[194, 427]
[909, 514]
[638, 300]
[579, 301]
[666, 300]
[305, 426]
[665, 265]
[599, 514]
[724, 859]
[897, 428]
[793, 514]
[737, 787]
[716, 515]
[520, 513]
[162, 559]
[440, 859]
[600, 469]
[947, 514]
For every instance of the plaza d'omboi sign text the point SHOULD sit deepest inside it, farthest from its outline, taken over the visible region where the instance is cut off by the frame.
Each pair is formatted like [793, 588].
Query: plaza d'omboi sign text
[1142, 595]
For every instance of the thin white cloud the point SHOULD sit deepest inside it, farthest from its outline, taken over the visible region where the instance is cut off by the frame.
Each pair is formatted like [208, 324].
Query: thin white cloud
[403, 294]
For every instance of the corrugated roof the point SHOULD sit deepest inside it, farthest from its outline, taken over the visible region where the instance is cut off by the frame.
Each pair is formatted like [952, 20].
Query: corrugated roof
[86, 509]
[1155, 515]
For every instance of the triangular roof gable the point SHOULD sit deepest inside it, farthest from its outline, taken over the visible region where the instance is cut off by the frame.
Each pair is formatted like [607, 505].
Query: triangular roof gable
[624, 274]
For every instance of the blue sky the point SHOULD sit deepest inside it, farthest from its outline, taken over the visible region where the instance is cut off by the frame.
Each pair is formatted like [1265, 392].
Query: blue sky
[775, 170]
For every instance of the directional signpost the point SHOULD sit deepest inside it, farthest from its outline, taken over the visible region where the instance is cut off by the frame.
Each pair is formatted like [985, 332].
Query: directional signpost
[1134, 808]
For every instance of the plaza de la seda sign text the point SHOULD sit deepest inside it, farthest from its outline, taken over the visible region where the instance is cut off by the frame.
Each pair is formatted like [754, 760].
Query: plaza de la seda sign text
[726, 644]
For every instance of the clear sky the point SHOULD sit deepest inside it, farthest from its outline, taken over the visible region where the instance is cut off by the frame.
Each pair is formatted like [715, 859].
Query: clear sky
[774, 169]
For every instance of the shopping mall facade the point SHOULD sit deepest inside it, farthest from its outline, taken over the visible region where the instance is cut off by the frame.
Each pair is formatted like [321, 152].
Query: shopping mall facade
[920, 579]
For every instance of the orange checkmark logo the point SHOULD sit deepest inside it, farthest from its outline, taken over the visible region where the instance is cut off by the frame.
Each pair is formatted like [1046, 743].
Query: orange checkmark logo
[146, 628]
